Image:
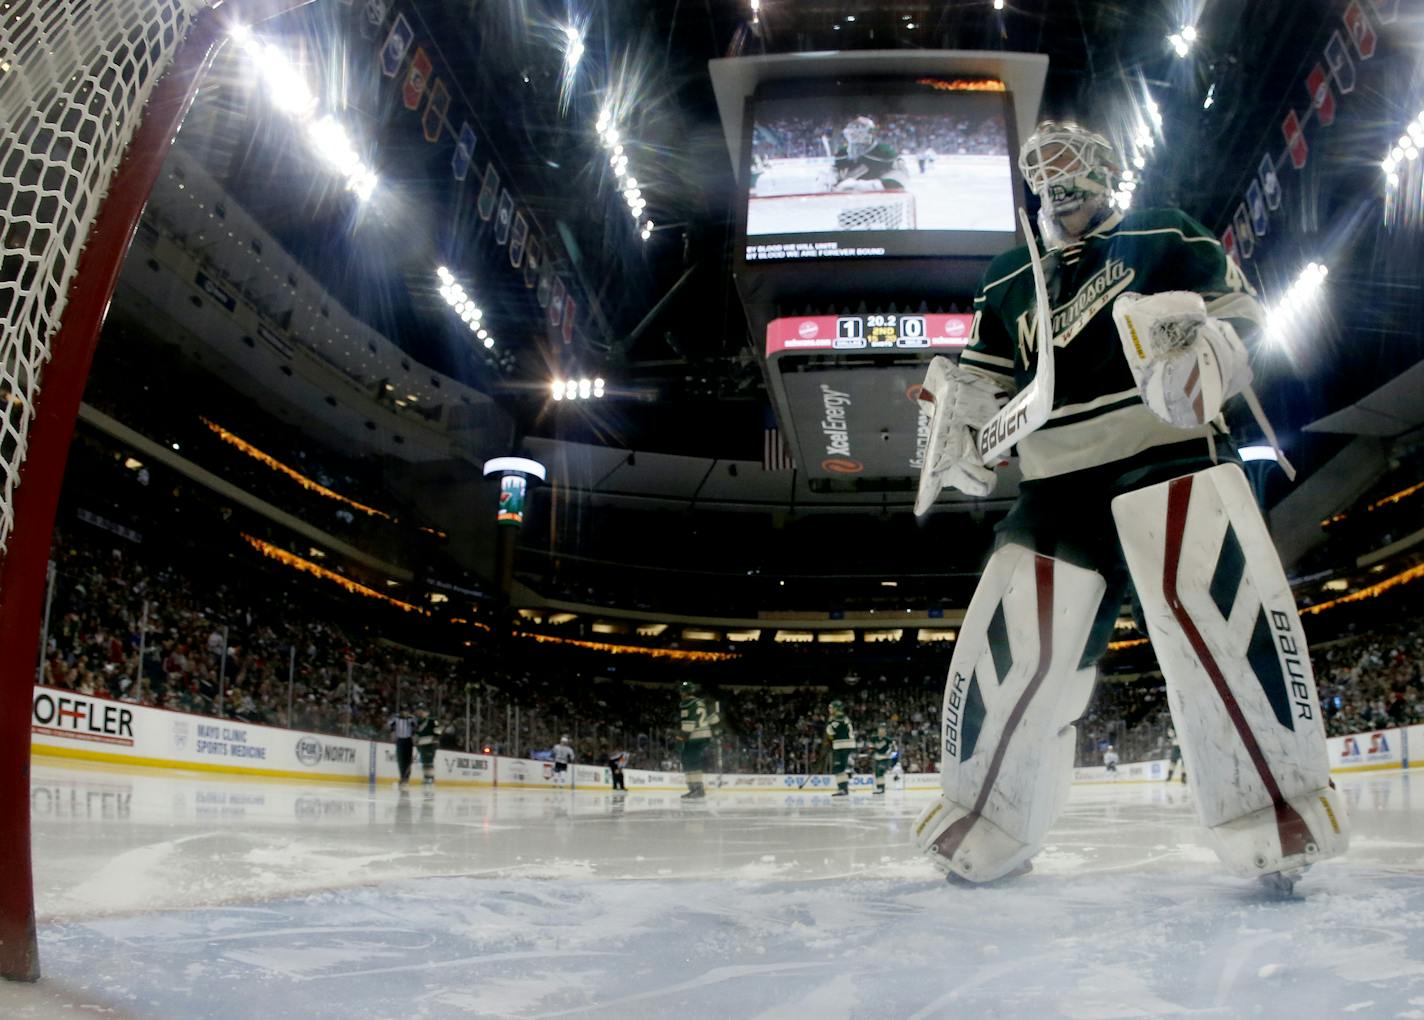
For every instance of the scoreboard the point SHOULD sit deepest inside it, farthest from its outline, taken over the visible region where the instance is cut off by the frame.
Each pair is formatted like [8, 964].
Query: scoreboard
[880, 332]
[845, 388]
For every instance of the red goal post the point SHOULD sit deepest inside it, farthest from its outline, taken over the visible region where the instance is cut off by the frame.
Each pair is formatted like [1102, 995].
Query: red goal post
[92, 93]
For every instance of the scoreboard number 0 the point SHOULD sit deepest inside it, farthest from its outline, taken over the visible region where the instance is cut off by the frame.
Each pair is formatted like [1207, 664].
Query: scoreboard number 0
[912, 327]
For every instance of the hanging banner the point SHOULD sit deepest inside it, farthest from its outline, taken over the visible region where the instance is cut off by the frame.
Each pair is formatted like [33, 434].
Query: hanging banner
[503, 217]
[556, 303]
[546, 285]
[518, 235]
[489, 192]
[464, 152]
[1295, 140]
[373, 16]
[397, 43]
[531, 262]
[1317, 83]
[416, 79]
[432, 121]
[569, 309]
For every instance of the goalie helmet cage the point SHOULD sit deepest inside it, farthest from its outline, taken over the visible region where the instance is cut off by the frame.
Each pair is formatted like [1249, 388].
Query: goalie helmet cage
[92, 93]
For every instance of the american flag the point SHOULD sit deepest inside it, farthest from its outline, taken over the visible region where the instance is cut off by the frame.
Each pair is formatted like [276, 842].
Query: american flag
[774, 454]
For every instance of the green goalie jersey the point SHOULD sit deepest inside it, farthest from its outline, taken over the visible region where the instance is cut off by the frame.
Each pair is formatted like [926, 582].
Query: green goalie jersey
[876, 163]
[1098, 416]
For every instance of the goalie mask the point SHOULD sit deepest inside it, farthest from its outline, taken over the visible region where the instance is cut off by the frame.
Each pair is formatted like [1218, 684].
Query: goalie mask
[859, 136]
[1073, 171]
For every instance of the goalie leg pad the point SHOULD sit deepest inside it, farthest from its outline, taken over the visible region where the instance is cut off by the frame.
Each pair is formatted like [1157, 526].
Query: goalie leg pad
[1224, 626]
[1015, 690]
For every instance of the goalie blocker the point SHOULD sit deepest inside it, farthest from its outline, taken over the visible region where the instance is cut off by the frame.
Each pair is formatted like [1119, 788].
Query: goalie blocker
[1228, 639]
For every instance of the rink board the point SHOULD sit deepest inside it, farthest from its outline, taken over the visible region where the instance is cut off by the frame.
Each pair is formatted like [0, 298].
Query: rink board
[85, 728]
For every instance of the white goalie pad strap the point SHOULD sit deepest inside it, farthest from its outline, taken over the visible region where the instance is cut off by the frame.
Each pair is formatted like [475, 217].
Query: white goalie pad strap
[1013, 694]
[1224, 626]
[1186, 363]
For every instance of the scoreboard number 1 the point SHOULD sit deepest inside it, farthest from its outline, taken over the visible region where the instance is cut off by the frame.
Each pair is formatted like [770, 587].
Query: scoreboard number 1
[850, 327]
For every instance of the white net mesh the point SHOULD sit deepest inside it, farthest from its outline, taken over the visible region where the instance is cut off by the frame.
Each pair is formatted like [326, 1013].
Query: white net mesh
[878, 211]
[74, 77]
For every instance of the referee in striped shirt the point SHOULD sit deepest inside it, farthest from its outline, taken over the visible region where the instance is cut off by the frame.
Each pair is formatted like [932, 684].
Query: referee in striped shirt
[402, 727]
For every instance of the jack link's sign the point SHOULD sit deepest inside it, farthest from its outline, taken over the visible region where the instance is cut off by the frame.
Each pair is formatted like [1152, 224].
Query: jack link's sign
[859, 422]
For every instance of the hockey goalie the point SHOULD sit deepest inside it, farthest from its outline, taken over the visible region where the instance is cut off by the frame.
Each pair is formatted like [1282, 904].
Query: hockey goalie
[1133, 478]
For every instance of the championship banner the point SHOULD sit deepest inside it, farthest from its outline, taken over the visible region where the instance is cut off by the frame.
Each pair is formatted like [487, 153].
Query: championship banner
[546, 285]
[569, 309]
[397, 43]
[432, 121]
[503, 217]
[373, 16]
[556, 303]
[531, 262]
[489, 192]
[464, 151]
[416, 79]
[518, 235]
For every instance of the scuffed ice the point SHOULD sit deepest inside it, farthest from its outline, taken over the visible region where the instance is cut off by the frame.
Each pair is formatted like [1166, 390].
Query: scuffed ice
[757, 907]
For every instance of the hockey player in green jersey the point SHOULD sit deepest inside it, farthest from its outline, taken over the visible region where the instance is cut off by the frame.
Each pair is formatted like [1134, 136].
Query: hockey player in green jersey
[841, 736]
[862, 159]
[699, 721]
[882, 750]
[1131, 476]
[427, 739]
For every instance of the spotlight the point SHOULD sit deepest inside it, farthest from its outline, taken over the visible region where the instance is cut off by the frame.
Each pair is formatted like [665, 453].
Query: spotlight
[1189, 33]
[573, 47]
[489, 342]
[556, 389]
[444, 274]
[585, 387]
[998, 5]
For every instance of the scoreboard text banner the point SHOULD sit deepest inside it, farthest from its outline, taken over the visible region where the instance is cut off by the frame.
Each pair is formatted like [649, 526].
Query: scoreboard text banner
[867, 333]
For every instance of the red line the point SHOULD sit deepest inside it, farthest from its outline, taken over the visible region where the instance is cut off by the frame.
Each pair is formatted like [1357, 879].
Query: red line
[953, 837]
[1294, 833]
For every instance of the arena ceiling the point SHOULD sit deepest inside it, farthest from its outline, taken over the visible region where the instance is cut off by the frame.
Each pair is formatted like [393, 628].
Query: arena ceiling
[659, 318]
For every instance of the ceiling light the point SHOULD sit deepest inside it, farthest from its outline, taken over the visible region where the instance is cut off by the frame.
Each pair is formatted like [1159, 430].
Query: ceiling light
[573, 46]
[585, 388]
[998, 5]
[489, 342]
[1189, 33]
[850, 17]
[556, 389]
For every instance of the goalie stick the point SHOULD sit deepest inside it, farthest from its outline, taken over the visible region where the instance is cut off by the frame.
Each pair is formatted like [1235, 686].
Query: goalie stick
[1030, 407]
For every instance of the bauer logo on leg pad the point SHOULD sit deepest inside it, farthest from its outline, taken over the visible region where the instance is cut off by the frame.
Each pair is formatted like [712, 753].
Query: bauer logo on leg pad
[963, 717]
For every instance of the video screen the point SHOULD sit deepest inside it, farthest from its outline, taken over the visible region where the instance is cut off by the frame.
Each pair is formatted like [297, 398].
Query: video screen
[889, 168]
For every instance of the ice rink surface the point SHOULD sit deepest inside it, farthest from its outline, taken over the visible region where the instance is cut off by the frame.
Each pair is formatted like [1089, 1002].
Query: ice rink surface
[170, 896]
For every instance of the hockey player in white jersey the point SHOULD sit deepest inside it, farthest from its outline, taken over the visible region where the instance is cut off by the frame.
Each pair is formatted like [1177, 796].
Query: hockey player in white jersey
[1131, 476]
[563, 757]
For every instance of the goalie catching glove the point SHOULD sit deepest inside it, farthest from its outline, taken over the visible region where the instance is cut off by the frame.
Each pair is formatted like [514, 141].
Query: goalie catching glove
[958, 400]
[1186, 363]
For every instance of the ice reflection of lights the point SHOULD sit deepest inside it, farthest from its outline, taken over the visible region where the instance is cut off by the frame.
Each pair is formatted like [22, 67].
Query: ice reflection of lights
[1291, 315]
[290, 93]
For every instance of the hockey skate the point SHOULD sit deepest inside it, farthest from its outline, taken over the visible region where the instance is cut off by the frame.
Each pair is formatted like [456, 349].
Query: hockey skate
[954, 878]
[695, 791]
[1281, 884]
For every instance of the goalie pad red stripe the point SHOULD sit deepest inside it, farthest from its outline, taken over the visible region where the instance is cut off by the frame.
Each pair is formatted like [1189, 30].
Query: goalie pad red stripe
[1294, 833]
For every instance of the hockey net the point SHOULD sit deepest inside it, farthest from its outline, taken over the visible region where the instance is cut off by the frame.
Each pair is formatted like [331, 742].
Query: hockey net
[91, 94]
[876, 210]
[74, 77]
